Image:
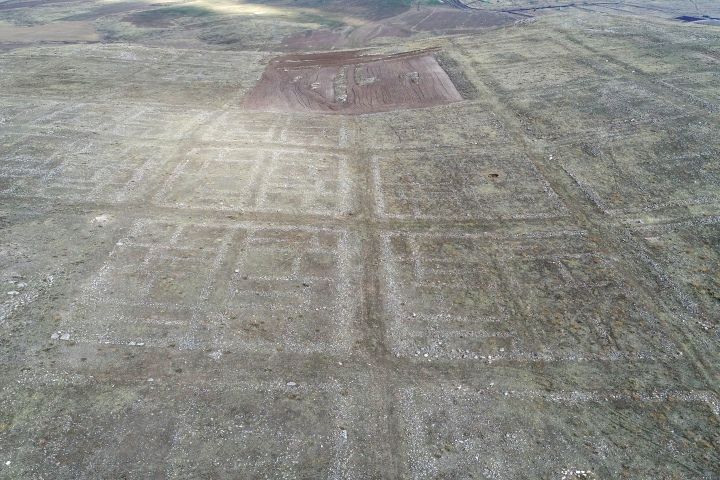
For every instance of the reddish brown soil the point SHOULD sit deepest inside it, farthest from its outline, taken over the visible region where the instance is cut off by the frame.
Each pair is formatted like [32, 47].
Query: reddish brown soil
[352, 83]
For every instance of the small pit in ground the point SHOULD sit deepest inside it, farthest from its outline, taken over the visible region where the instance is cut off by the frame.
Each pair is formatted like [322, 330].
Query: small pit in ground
[352, 83]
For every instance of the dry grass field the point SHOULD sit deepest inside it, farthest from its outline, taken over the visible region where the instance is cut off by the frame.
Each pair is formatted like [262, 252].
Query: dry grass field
[359, 239]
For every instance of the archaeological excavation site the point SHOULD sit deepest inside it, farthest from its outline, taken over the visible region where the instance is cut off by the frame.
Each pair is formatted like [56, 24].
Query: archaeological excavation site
[359, 239]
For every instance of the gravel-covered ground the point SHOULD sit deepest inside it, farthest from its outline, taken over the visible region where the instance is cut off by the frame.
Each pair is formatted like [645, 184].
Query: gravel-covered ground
[521, 284]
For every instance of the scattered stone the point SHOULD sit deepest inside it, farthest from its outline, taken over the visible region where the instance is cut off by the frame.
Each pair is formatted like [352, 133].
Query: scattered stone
[22, 285]
[12, 293]
[55, 336]
[215, 355]
[291, 384]
[65, 336]
[101, 220]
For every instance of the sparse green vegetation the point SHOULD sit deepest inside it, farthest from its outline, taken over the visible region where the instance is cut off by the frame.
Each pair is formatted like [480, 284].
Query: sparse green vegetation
[279, 240]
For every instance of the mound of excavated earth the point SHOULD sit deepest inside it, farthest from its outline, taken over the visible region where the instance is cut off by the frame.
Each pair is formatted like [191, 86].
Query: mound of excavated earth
[352, 83]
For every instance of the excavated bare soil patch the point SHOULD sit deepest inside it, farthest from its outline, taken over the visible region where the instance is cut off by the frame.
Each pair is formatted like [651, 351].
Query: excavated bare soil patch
[352, 83]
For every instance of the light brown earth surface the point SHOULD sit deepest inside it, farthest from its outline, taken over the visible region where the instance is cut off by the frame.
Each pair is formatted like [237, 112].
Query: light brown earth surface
[517, 282]
[52, 32]
[429, 19]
